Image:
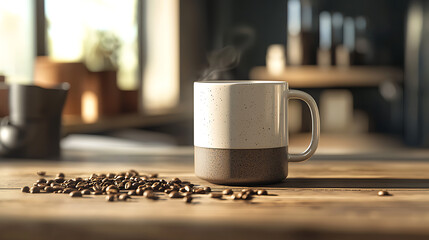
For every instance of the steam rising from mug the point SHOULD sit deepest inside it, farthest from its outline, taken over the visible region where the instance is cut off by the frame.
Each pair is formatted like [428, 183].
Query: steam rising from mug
[221, 60]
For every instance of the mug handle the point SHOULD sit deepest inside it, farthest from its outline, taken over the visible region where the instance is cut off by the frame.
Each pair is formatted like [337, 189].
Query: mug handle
[315, 130]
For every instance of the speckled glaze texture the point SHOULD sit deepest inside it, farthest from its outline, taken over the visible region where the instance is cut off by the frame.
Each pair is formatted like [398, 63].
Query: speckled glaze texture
[240, 115]
[241, 166]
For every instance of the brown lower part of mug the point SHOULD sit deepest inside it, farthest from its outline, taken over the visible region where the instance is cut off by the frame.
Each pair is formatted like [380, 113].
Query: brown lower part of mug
[241, 166]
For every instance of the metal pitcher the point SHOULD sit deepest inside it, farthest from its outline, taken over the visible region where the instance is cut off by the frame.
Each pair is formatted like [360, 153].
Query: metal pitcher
[33, 128]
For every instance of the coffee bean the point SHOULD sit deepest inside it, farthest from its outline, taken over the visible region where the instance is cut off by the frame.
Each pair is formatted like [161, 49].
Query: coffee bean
[262, 192]
[246, 196]
[132, 193]
[81, 185]
[112, 191]
[41, 180]
[41, 173]
[113, 194]
[383, 193]
[121, 185]
[188, 199]
[175, 194]
[188, 188]
[34, 189]
[227, 192]
[110, 175]
[75, 194]
[128, 185]
[153, 175]
[135, 185]
[168, 191]
[147, 193]
[96, 187]
[25, 189]
[49, 189]
[182, 190]
[59, 180]
[144, 178]
[207, 189]
[97, 193]
[248, 191]
[85, 192]
[123, 197]
[176, 180]
[112, 187]
[216, 195]
[155, 186]
[78, 179]
[133, 172]
[199, 191]
[140, 191]
[58, 191]
[61, 175]
[67, 190]
[236, 196]
[110, 198]
[187, 194]
[56, 188]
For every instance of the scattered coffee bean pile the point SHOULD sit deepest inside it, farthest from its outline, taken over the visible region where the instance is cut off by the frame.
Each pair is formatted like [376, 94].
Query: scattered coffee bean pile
[120, 187]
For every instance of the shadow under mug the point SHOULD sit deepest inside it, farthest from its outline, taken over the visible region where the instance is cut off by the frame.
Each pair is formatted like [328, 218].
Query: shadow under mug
[241, 133]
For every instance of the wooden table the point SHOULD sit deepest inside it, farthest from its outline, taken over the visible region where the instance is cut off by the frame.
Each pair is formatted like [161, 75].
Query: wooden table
[322, 199]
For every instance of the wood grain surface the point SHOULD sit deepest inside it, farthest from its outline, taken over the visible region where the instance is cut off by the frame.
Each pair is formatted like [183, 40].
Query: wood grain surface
[321, 199]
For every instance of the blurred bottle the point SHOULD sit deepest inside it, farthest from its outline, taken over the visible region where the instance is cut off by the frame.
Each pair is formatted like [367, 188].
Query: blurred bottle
[325, 40]
[363, 45]
[344, 52]
[309, 38]
[294, 38]
[337, 37]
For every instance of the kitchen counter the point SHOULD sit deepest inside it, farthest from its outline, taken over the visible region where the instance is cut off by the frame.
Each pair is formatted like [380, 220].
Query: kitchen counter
[323, 198]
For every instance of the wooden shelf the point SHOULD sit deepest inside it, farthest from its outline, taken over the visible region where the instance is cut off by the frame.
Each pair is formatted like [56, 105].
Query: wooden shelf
[318, 77]
[77, 125]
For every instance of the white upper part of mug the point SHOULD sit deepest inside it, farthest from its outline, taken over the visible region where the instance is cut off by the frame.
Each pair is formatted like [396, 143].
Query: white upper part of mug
[240, 114]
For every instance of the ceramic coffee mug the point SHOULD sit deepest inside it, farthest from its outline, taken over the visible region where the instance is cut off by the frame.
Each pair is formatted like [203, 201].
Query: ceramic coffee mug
[241, 133]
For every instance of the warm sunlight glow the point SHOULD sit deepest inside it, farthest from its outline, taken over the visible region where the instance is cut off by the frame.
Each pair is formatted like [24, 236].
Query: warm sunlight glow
[89, 107]
[74, 28]
[161, 72]
[17, 40]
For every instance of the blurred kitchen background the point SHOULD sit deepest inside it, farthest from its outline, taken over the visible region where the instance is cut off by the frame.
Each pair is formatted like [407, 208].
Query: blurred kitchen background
[131, 66]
